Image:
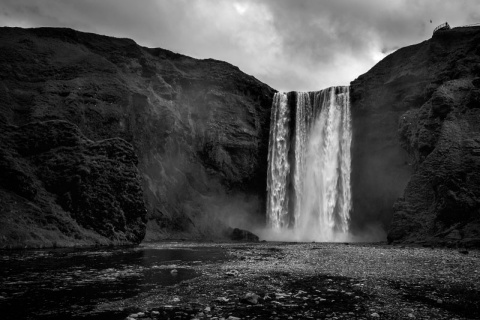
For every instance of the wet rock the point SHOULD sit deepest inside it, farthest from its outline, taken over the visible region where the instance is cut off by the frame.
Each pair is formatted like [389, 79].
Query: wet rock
[250, 298]
[232, 273]
[243, 235]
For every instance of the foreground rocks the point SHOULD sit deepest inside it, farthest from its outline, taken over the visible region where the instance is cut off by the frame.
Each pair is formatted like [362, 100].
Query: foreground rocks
[321, 281]
[58, 188]
[416, 122]
[199, 127]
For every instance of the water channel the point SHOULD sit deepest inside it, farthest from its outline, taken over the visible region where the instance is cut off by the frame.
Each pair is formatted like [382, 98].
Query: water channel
[72, 283]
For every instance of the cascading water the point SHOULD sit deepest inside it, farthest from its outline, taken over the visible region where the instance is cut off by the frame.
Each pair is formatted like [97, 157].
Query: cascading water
[309, 165]
[278, 166]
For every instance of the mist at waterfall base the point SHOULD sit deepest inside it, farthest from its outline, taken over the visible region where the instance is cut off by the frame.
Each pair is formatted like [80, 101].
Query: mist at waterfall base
[309, 168]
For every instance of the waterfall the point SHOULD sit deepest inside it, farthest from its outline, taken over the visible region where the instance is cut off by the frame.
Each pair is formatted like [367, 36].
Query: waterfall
[309, 164]
[278, 166]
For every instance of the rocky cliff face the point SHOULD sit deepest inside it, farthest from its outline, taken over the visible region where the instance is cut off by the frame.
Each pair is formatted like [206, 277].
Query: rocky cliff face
[199, 127]
[416, 142]
[59, 188]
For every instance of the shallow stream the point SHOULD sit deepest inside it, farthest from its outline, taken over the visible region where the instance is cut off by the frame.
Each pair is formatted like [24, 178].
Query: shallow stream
[72, 283]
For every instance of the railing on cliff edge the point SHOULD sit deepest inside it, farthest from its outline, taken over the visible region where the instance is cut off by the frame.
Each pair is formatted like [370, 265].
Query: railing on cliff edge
[443, 26]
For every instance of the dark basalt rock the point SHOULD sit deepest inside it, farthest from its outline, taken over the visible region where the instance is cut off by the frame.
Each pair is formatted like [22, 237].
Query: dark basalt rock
[416, 131]
[243, 235]
[77, 191]
[199, 127]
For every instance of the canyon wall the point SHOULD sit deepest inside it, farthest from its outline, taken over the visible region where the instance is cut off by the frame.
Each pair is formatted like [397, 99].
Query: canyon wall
[89, 121]
[199, 127]
[416, 141]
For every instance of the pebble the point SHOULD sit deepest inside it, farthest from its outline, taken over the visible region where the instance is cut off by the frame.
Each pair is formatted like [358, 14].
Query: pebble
[250, 298]
[232, 273]
[375, 315]
[222, 299]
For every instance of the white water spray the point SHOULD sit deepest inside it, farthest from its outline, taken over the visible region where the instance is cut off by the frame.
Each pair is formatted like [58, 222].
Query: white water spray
[278, 166]
[309, 165]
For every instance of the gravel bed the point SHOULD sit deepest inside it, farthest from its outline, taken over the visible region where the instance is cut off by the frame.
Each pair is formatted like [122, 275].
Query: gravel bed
[272, 280]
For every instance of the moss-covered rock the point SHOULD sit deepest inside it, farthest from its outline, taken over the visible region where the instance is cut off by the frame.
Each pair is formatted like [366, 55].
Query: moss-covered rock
[83, 192]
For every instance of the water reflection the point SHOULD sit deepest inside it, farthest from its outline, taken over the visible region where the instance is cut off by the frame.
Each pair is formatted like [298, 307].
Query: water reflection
[69, 283]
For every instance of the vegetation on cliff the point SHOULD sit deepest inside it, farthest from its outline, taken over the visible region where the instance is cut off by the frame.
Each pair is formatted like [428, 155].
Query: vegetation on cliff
[58, 188]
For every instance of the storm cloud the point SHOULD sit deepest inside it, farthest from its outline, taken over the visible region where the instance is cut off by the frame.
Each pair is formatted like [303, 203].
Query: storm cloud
[290, 45]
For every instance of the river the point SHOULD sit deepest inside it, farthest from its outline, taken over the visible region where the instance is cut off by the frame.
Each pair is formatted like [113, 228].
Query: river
[74, 283]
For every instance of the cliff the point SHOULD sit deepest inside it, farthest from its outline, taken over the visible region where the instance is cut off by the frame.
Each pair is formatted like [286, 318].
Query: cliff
[416, 141]
[103, 140]
[58, 188]
[199, 127]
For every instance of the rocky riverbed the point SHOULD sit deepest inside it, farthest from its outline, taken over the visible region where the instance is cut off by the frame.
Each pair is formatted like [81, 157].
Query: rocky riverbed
[319, 281]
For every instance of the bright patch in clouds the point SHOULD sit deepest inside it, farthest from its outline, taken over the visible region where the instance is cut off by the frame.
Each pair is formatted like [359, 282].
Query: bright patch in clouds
[240, 7]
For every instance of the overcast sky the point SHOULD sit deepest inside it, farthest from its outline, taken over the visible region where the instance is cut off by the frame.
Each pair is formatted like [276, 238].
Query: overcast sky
[301, 45]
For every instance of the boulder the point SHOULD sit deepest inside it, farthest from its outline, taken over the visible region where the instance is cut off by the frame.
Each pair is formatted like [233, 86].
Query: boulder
[243, 235]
